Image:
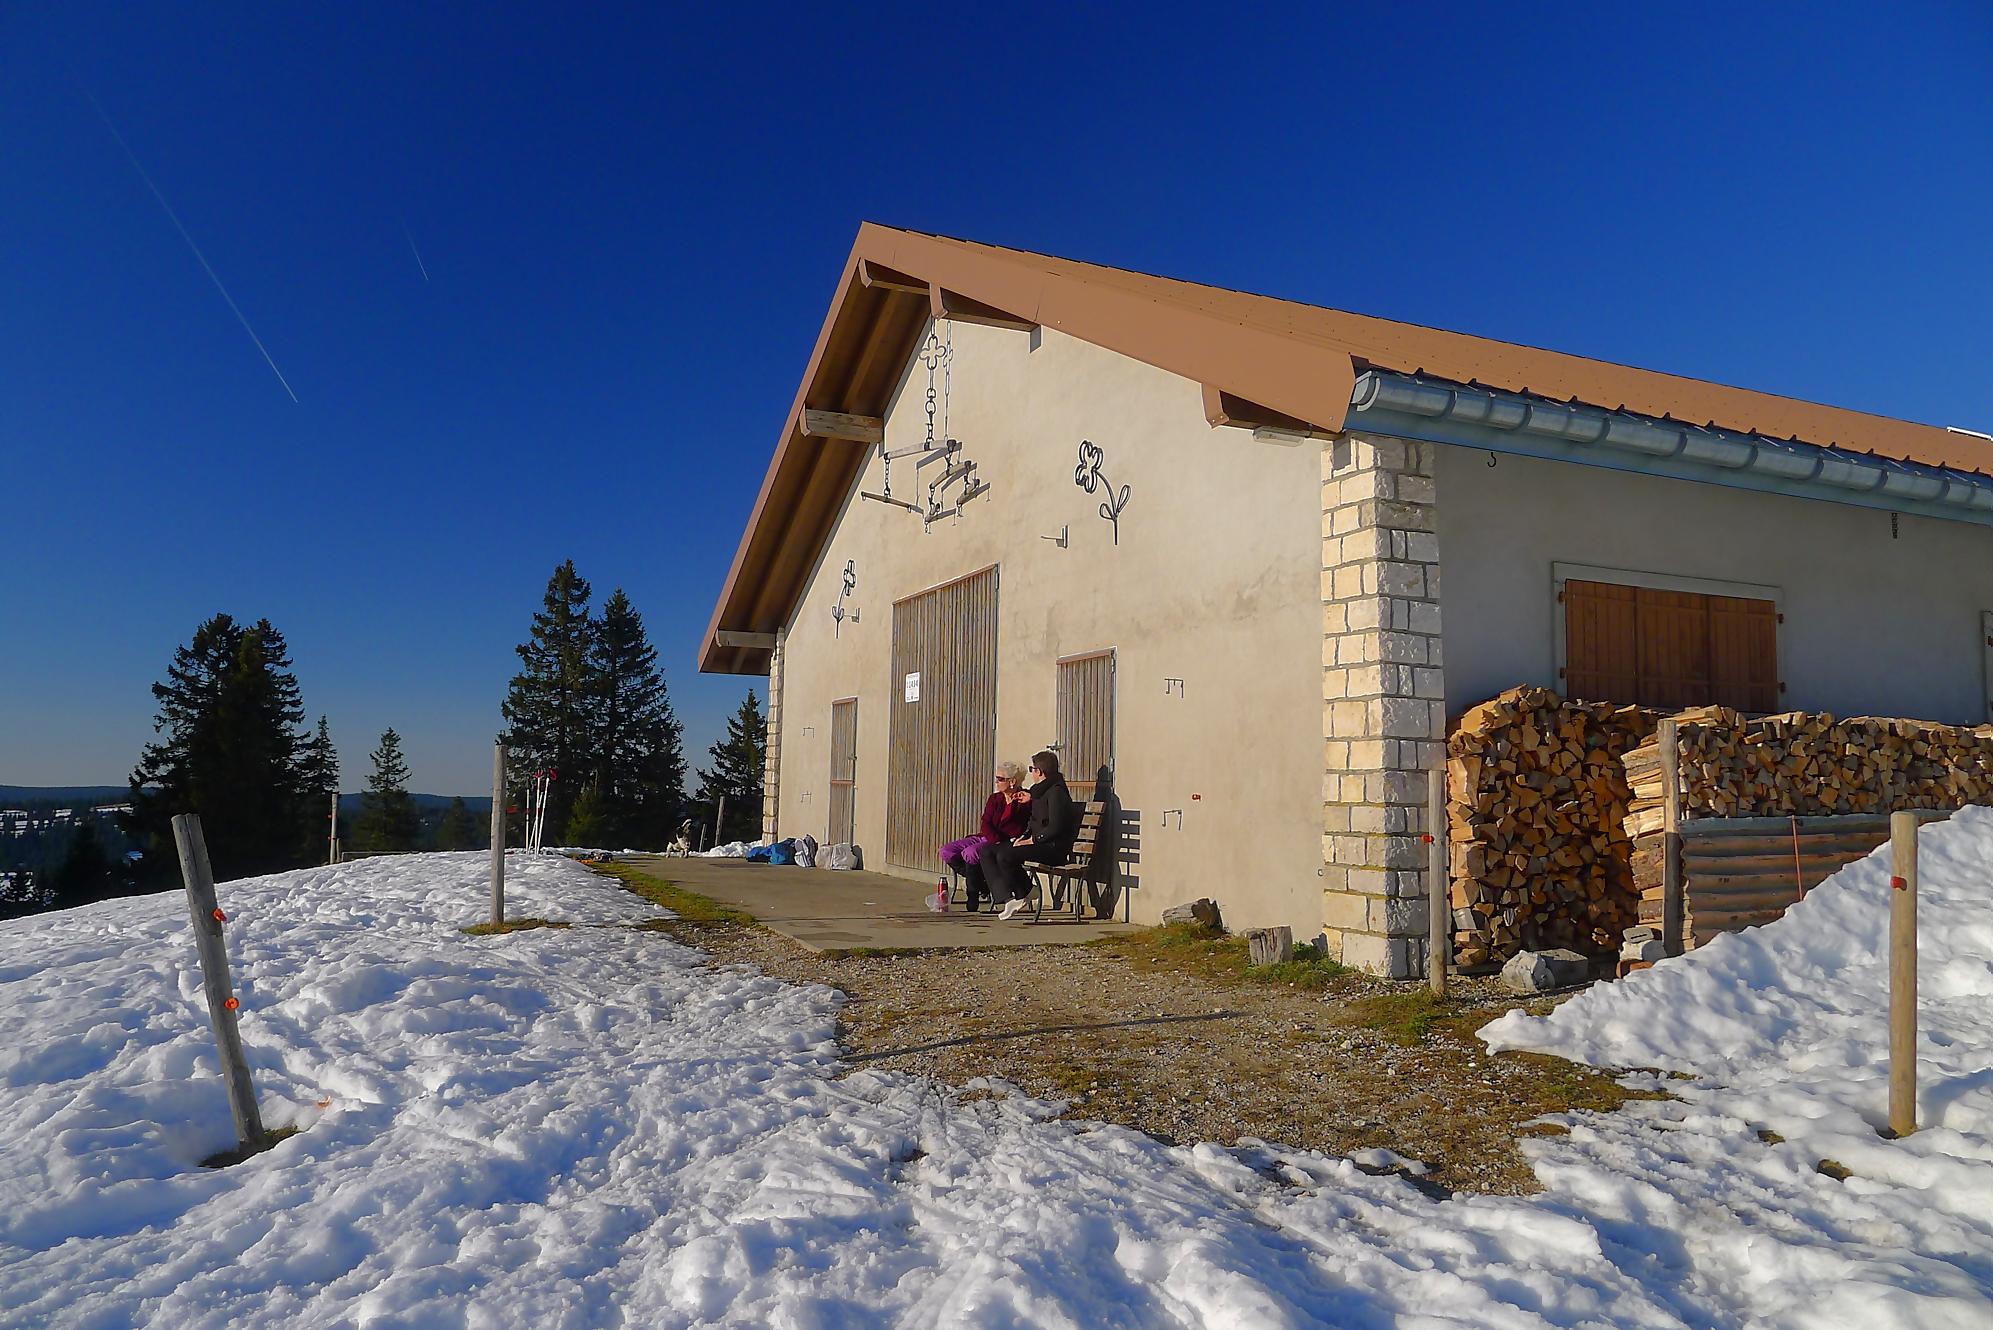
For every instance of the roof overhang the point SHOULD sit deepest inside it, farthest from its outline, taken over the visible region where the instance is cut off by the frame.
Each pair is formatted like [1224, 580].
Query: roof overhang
[1264, 363]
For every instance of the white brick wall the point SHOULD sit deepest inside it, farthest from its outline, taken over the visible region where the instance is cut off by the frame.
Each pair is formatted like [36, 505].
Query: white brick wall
[1383, 690]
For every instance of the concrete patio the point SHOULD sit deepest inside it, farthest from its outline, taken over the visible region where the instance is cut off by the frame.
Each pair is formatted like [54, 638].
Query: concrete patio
[827, 911]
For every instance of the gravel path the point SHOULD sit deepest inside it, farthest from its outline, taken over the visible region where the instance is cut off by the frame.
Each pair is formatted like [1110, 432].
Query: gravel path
[1189, 1056]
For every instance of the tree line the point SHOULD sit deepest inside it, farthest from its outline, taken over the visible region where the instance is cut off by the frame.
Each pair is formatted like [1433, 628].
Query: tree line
[589, 704]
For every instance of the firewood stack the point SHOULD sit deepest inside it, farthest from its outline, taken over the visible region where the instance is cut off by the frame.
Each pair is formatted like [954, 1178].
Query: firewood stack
[1810, 778]
[1537, 803]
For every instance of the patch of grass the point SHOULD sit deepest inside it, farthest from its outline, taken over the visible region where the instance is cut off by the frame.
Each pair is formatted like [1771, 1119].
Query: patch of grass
[1834, 1169]
[1770, 1137]
[689, 906]
[1407, 1016]
[513, 926]
[1211, 954]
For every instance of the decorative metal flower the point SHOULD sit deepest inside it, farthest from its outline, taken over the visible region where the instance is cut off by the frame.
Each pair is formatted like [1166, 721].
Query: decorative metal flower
[1087, 476]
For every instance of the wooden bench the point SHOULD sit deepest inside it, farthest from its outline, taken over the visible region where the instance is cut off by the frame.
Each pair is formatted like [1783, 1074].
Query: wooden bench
[1085, 867]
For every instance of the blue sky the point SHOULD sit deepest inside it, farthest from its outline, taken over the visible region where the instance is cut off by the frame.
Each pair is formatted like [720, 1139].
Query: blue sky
[632, 221]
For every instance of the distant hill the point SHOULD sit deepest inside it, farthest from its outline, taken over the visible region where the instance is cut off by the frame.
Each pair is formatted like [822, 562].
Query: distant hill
[13, 795]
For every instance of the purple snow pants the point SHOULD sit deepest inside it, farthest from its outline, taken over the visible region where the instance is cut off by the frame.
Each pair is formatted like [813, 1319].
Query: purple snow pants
[965, 857]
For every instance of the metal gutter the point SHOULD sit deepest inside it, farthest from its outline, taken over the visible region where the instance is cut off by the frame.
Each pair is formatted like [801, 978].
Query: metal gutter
[1411, 406]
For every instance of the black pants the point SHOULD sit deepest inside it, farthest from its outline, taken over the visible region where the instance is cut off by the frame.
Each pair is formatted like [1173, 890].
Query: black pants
[1003, 867]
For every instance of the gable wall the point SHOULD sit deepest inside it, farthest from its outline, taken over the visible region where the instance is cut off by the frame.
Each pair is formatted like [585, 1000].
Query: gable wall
[1215, 581]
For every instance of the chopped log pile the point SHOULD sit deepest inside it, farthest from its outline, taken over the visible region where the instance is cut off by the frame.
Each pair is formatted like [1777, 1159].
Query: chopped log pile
[1801, 794]
[1537, 803]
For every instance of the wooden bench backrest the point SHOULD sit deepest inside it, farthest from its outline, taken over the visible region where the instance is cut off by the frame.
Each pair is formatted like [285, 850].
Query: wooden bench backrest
[1091, 820]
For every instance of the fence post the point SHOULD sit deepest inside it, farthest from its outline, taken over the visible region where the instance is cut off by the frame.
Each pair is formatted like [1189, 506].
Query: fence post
[498, 832]
[332, 843]
[1903, 974]
[1673, 911]
[208, 919]
[719, 816]
[1439, 903]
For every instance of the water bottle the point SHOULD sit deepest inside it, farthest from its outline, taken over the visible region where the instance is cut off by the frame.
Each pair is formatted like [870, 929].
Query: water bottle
[941, 896]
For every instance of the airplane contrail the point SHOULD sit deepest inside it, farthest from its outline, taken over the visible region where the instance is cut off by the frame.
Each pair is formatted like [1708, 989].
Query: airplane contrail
[416, 252]
[174, 217]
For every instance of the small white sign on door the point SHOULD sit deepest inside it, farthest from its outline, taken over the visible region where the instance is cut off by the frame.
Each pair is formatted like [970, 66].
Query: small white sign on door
[913, 686]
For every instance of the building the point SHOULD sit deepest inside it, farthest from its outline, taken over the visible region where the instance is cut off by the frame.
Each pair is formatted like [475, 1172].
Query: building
[1247, 555]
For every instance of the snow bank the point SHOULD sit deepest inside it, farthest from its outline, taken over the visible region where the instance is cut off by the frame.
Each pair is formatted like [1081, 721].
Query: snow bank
[590, 1127]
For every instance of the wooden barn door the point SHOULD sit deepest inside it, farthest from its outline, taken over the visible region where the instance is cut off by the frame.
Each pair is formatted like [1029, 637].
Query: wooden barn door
[843, 770]
[1086, 720]
[1669, 649]
[943, 744]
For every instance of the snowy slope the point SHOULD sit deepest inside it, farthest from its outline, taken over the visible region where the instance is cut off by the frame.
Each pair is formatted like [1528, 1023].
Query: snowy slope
[585, 1127]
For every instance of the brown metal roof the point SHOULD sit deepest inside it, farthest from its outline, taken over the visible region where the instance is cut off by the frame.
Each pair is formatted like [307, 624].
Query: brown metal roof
[1282, 357]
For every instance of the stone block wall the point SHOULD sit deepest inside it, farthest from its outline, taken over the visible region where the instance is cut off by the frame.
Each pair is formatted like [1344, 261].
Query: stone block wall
[1383, 692]
[771, 769]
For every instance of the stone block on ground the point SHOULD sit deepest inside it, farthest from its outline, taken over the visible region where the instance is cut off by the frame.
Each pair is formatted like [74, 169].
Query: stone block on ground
[1203, 913]
[1545, 971]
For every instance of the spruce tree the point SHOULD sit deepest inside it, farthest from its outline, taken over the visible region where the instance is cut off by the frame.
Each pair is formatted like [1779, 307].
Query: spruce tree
[319, 774]
[588, 826]
[229, 710]
[86, 873]
[640, 756]
[388, 820]
[458, 830]
[738, 763]
[551, 705]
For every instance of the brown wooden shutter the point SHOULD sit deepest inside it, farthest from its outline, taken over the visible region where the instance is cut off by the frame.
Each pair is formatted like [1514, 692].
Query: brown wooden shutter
[1669, 649]
[943, 746]
[1086, 720]
[843, 771]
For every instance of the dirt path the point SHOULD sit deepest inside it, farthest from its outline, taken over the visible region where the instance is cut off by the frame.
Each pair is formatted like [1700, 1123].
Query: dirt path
[1163, 1032]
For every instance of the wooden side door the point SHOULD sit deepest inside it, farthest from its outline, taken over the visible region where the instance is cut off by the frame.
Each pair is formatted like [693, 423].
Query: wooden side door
[1086, 720]
[843, 770]
[942, 746]
[1670, 649]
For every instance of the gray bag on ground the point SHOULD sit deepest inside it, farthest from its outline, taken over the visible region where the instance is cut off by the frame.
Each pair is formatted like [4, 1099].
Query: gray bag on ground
[843, 856]
[806, 852]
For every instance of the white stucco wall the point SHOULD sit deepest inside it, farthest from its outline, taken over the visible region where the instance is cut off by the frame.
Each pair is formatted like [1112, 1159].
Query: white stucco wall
[1216, 581]
[1873, 625]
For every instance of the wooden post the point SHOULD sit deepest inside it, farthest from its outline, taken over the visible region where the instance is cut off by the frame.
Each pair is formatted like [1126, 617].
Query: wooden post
[1903, 975]
[1439, 901]
[1673, 903]
[498, 832]
[1269, 946]
[719, 817]
[332, 842]
[208, 919]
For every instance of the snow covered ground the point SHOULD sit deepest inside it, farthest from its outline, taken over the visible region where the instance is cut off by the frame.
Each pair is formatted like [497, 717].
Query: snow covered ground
[584, 1127]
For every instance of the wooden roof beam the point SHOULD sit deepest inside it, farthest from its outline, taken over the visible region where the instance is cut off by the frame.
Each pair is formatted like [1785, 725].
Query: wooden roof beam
[880, 277]
[843, 425]
[1222, 408]
[750, 641]
[950, 305]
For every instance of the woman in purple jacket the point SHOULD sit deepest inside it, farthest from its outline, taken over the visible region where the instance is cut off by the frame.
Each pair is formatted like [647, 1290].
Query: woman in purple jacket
[1006, 815]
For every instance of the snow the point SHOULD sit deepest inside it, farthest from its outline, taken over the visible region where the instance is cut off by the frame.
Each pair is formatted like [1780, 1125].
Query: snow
[592, 1127]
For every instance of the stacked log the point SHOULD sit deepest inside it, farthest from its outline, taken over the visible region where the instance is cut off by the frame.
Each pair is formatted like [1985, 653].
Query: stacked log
[1802, 795]
[1537, 802]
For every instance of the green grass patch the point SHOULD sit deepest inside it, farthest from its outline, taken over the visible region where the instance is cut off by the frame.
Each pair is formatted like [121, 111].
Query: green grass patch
[1211, 954]
[1407, 1016]
[513, 926]
[689, 906]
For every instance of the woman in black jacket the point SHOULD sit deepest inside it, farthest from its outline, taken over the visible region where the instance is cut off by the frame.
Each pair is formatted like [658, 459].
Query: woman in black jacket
[1055, 823]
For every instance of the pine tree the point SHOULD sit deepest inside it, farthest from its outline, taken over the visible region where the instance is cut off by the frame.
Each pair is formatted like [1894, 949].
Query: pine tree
[388, 820]
[232, 752]
[588, 826]
[551, 705]
[458, 830]
[640, 756]
[319, 775]
[736, 773]
[86, 873]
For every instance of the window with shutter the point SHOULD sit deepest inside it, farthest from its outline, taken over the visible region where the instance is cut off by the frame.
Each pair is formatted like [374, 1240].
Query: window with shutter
[1669, 648]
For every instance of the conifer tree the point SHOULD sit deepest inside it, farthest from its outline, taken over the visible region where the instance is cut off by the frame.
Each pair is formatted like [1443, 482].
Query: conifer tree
[229, 711]
[588, 826]
[550, 707]
[388, 819]
[736, 773]
[458, 830]
[639, 755]
[319, 775]
[85, 873]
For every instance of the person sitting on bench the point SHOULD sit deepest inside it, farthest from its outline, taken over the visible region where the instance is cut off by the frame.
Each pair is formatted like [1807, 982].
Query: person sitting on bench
[1006, 816]
[1055, 824]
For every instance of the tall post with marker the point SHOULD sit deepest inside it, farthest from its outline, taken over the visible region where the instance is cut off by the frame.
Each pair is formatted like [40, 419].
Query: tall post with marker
[1903, 974]
[1439, 903]
[222, 1004]
[498, 832]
